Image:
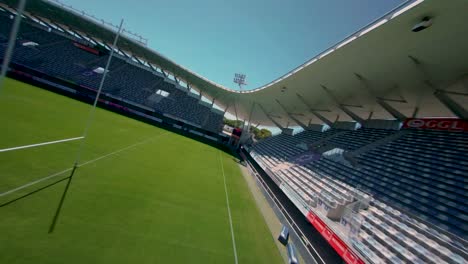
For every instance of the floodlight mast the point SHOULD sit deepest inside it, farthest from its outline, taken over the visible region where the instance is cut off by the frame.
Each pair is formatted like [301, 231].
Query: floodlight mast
[239, 78]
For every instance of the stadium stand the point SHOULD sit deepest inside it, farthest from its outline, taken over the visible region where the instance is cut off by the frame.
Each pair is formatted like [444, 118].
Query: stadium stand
[404, 200]
[395, 195]
[55, 53]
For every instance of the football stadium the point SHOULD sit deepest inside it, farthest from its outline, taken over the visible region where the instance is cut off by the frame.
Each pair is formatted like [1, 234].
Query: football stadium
[111, 152]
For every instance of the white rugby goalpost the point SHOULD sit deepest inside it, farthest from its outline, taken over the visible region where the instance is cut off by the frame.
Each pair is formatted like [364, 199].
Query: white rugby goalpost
[18, 14]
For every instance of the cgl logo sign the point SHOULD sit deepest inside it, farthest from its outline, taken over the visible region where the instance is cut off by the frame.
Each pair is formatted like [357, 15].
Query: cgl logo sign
[437, 123]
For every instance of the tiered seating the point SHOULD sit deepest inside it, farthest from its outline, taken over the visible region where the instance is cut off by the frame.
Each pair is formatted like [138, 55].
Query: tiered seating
[393, 228]
[5, 27]
[281, 148]
[214, 122]
[354, 139]
[423, 173]
[434, 170]
[57, 56]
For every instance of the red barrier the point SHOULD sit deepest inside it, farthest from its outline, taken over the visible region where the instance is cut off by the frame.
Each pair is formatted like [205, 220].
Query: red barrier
[337, 244]
[451, 124]
[86, 48]
[236, 132]
[310, 217]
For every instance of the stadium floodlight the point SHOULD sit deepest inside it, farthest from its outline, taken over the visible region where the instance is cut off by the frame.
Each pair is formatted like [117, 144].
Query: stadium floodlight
[239, 78]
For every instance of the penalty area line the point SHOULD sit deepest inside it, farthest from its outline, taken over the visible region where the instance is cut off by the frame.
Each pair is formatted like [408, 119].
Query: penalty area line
[41, 144]
[79, 165]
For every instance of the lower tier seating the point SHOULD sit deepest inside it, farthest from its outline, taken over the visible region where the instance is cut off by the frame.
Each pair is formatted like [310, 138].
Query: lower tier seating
[411, 191]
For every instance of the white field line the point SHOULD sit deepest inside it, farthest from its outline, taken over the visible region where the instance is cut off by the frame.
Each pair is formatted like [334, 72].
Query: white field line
[229, 210]
[82, 164]
[35, 182]
[40, 144]
[122, 149]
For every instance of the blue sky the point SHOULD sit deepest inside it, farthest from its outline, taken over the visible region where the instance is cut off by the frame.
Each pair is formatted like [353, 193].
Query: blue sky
[262, 38]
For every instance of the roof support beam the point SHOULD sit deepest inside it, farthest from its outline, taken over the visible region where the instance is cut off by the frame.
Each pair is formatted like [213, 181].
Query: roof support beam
[107, 45]
[392, 100]
[304, 126]
[415, 112]
[65, 28]
[351, 114]
[314, 111]
[250, 116]
[343, 107]
[271, 119]
[124, 53]
[98, 42]
[151, 66]
[60, 26]
[137, 59]
[321, 117]
[392, 111]
[75, 32]
[458, 93]
[13, 11]
[48, 24]
[91, 38]
[453, 106]
[235, 111]
[337, 118]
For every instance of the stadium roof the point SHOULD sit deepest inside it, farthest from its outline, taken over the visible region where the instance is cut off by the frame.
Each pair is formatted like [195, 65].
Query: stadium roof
[385, 63]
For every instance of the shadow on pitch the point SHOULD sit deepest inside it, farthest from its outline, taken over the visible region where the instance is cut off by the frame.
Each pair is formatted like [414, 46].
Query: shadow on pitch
[32, 192]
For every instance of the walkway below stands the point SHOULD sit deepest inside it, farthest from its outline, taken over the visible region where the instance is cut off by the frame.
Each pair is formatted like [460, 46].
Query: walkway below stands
[315, 239]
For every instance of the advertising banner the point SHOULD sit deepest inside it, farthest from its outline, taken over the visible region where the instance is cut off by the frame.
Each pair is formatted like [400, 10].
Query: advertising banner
[86, 48]
[338, 245]
[450, 124]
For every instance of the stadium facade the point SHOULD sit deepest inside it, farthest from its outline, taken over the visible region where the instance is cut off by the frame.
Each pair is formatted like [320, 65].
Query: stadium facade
[381, 167]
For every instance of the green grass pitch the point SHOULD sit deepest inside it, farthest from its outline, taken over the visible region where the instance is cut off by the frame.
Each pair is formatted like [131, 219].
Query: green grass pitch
[161, 200]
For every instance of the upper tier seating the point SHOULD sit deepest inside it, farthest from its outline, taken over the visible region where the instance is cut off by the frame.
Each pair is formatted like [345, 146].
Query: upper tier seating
[57, 56]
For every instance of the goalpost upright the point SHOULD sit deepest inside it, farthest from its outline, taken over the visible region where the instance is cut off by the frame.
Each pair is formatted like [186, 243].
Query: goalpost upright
[11, 41]
[89, 122]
